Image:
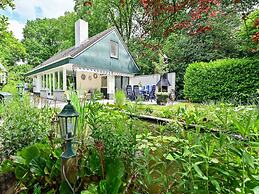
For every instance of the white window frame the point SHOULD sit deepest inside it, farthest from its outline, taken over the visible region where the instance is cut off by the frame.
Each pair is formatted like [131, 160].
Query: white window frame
[116, 56]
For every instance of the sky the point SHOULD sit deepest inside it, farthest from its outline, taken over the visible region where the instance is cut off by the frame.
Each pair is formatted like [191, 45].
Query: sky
[32, 9]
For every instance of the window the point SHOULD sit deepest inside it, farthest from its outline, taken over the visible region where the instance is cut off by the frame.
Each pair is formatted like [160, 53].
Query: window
[42, 82]
[51, 82]
[56, 81]
[104, 82]
[121, 82]
[45, 82]
[61, 80]
[114, 50]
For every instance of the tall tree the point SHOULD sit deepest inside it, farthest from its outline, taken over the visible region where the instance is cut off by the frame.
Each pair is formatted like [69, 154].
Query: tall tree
[166, 16]
[11, 50]
[6, 3]
[249, 34]
[44, 38]
[102, 14]
[95, 12]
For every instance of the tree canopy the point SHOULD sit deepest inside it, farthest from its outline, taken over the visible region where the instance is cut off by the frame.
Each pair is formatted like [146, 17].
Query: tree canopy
[5, 3]
[11, 49]
[45, 37]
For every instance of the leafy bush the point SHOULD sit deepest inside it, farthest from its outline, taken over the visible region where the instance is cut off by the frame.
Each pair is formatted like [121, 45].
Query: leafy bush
[120, 98]
[34, 166]
[249, 34]
[22, 125]
[161, 98]
[196, 162]
[15, 76]
[222, 80]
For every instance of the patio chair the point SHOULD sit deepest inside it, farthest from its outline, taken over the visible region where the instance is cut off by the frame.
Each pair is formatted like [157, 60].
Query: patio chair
[136, 92]
[129, 92]
[152, 94]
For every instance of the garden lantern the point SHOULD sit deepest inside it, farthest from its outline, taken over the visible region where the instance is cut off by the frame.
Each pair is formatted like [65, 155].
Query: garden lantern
[68, 119]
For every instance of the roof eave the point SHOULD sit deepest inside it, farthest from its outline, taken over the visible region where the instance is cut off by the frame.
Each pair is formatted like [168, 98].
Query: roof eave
[49, 66]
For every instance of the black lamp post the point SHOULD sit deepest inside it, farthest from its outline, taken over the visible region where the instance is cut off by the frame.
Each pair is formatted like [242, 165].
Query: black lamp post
[68, 119]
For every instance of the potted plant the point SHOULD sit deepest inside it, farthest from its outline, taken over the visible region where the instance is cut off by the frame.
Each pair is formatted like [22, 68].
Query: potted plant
[161, 98]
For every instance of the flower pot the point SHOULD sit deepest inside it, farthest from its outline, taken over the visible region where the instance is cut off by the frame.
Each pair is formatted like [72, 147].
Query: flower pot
[161, 98]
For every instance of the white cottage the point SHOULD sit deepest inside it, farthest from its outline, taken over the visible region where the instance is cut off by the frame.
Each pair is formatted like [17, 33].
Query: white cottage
[101, 62]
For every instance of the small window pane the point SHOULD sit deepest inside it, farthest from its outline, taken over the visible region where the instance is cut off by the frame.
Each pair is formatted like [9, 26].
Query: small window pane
[114, 49]
[61, 80]
[42, 82]
[56, 80]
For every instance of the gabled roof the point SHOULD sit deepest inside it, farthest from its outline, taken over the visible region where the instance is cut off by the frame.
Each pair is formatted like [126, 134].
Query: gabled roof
[2, 68]
[62, 57]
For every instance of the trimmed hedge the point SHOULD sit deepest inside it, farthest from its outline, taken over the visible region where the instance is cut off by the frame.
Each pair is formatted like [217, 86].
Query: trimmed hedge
[225, 79]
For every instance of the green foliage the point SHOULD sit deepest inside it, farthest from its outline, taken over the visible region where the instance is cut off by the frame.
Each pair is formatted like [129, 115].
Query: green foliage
[120, 98]
[197, 162]
[104, 13]
[145, 53]
[95, 14]
[110, 144]
[5, 3]
[15, 77]
[45, 37]
[249, 33]
[162, 98]
[219, 42]
[222, 80]
[113, 182]
[121, 155]
[24, 127]
[37, 168]
[11, 50]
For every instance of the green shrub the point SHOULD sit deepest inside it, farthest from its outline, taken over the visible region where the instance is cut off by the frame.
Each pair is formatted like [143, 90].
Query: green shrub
[23, 125]
[161, 98]
[34, 166]
[120, 98]
[227, 79]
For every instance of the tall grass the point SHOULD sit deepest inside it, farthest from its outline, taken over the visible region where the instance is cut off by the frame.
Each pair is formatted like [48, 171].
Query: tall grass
[120, 99]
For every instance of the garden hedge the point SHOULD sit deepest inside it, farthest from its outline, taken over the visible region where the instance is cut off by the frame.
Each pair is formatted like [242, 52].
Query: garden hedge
[225, 79]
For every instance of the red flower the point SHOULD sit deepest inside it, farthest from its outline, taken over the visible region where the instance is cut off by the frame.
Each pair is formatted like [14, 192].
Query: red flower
[214, 13]
[208, 28]
[145, 3]
[255, 37]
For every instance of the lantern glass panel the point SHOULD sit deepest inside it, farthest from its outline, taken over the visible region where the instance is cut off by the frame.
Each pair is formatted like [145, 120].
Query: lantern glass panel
[68, 127]
[62, 122]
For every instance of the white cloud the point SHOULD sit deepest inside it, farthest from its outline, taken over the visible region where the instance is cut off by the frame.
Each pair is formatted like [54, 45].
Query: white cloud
[55, 8]
[16, 28]
[50, 8]
[26, 10]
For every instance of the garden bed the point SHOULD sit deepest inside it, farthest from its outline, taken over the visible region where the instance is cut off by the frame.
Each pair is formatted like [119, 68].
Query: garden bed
[117, 153]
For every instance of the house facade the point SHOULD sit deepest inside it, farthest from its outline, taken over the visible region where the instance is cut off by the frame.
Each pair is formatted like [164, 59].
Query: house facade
[101, 62]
